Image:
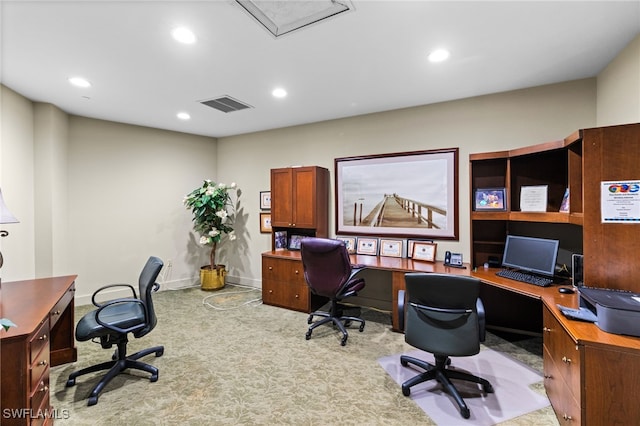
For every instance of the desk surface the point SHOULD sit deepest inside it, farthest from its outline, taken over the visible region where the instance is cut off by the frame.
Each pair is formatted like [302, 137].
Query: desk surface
[583, 332]
[41, 295]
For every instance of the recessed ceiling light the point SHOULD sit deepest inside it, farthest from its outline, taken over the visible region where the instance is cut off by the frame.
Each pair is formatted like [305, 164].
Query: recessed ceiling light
[183, 116]
[184, 35]
[279, 92]
[79, 81]
[438, 55]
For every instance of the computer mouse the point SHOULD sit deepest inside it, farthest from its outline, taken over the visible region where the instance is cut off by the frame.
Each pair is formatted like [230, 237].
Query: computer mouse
[566, 290]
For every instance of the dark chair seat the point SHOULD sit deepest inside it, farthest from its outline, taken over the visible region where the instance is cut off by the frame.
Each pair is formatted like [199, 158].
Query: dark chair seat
[328, 273]
[111, 324]
[444, 316]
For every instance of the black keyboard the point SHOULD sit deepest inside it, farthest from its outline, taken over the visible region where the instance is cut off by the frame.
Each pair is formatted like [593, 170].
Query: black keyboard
[525, 277]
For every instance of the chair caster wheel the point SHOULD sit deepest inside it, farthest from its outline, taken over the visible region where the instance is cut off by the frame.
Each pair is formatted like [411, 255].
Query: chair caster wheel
[343, 342]
[403, 362]
[310, 319]
[160, 353]
[406, 391]
[488, 388]
[308, 335]
[93, 400]
[153, 378]
[464, 412]
[361, 329]
[70, 382]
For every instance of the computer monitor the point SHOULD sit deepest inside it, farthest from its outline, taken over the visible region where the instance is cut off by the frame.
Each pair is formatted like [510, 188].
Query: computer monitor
[537, 255]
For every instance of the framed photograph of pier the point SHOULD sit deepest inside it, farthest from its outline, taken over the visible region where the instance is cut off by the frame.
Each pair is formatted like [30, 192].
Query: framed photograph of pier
[407, 194]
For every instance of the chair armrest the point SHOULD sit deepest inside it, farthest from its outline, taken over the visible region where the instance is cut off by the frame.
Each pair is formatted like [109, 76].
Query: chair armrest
[401, 301]
[98, 291]
[481, 319]
[120, 302]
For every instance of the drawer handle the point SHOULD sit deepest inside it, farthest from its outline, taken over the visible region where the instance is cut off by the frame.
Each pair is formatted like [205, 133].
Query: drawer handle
[297, 272]
[270, 291]
[271, 268]
[567, 417]
[43, 362]
[43, 337]
[55, 313]
[547, 329]
[566, 360]
[44, 387]
[297, 296]
[548, 376]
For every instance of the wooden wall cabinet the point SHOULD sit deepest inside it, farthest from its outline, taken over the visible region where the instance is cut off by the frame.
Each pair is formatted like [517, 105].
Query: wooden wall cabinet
[299, 198]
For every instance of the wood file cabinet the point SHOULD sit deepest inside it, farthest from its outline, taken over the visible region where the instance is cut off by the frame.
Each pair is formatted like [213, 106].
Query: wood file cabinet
[43, 311]
[283, 284]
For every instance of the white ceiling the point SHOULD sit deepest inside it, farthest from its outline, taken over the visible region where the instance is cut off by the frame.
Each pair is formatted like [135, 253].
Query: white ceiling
[367, 60]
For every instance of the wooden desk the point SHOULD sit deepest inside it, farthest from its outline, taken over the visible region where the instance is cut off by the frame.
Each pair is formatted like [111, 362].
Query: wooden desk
[590, 375]
[43, 310]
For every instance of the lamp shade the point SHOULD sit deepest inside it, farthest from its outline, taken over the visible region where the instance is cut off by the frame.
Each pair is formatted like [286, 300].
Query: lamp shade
[5, 214]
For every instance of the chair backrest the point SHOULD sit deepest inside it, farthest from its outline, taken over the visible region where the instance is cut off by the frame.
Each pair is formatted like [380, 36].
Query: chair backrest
[326, 264]
[146, 285]
[442, 316]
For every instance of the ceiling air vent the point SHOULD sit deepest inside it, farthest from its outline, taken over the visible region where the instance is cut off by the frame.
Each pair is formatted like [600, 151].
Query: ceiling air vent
[226, 104]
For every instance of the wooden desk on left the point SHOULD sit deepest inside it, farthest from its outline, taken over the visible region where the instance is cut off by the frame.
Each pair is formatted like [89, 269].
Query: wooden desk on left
[43, 310]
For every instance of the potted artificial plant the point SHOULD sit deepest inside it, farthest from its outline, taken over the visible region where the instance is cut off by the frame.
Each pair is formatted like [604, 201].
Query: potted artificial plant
[213, 214]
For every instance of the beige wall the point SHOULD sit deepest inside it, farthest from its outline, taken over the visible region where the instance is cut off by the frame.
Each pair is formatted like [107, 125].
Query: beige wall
[619, 88]
[487, 123]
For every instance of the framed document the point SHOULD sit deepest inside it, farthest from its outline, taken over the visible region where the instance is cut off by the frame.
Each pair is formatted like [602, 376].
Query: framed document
[350, 242]
[367, 246]
[533, 198]
[294, 242]
[265, 223]
[424, 251]
[391, 248]
[265, 200]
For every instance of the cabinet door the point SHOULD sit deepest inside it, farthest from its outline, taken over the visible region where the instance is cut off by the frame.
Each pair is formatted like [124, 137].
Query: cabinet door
[281, 197]
[304, 197]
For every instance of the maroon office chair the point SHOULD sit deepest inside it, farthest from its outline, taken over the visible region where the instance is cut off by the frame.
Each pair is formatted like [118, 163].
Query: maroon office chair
[328, 272]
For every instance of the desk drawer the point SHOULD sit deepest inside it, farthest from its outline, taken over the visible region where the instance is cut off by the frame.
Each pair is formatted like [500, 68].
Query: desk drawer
[563, 400]
[565, 352]
[60, 307]
[40, 392]
[39, 367]
[39, 340]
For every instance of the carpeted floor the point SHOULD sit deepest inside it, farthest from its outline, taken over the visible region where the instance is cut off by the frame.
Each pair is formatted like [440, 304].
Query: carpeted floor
[249, 364]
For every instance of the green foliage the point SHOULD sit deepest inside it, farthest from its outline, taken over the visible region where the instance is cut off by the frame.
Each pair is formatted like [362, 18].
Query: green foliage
[6, 323]
[213, 214]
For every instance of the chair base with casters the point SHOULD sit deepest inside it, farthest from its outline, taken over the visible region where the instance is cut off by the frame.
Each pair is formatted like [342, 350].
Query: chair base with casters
[117, 365]
[443, 375]
[335, 316]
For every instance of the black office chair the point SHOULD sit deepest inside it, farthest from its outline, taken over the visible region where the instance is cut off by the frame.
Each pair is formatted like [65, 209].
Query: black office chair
[328, 272]
[444, 316]
[113, 321]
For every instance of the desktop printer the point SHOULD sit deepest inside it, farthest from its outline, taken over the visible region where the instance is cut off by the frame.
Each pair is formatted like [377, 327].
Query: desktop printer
[616, 311]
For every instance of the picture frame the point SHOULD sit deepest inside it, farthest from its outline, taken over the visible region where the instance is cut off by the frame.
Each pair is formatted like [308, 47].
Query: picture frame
[391, 248]
[265, 223]
[422, 186]
[350, 242]
[368, 246]
[294, 242]
[265, 200]
[490, 199]
[424, 251]
[410, 244]
[280, 240]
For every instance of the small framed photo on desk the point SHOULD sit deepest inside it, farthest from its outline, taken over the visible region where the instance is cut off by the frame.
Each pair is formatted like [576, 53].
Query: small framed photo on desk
[424, 251]
[350, 242]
